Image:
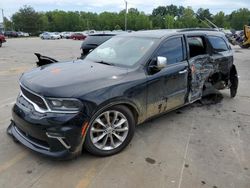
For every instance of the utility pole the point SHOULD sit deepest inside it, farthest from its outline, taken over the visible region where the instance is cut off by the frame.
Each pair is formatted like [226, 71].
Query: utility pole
[126, 9]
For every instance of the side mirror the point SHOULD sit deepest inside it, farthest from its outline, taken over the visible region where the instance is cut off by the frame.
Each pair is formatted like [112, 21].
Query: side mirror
[161, 62]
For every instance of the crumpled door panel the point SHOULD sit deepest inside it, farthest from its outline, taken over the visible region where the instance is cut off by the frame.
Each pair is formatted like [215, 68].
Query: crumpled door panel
[200, 69]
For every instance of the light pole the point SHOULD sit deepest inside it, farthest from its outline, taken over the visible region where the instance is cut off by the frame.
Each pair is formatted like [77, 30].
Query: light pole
[126, 7]
[3, 19]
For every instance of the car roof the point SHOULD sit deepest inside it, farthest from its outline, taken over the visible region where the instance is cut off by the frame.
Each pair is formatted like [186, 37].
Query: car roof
[102, 34]
[162, 33]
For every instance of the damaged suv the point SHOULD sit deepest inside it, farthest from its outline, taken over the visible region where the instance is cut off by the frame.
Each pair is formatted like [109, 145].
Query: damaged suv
[96, 103]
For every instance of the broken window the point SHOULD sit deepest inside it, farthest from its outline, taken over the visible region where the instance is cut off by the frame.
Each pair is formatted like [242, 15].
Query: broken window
[196, 46]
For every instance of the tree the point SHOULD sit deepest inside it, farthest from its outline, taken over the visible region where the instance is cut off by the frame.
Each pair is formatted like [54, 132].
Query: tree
[204, 13]
[170, 16]
[43, 22]
[8, 25]
[117, 27]
[169, 21]
[188, 19]
[159, 11]
[26, 19]
[172, 10]
[219, 19]
[240, 18]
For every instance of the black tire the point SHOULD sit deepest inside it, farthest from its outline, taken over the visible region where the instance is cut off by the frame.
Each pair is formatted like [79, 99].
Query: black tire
[91, 148]
[0, 44]
[234, 82]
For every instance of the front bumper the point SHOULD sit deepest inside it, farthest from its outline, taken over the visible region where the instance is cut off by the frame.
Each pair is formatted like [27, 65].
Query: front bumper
[51, 134]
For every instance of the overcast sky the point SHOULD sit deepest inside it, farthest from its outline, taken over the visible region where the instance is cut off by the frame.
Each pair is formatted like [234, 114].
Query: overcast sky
[11, 6]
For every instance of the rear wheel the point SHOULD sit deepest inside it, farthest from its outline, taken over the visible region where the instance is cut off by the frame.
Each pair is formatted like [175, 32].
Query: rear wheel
[0, 44]
[110, 131]
[234, 80]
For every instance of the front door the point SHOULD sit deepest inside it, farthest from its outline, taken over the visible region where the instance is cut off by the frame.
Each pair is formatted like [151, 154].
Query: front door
[167, 88]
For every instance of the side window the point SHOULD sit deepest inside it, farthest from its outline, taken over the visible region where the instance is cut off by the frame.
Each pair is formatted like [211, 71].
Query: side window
[196, 46]
[172, 49]
[218, 43]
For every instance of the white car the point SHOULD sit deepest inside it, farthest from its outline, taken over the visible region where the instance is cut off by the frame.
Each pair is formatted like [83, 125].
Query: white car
[48, 35]
[66, 35]
[22, 34]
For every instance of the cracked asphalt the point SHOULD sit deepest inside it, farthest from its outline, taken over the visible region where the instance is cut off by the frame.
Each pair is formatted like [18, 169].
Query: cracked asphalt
[198, 146]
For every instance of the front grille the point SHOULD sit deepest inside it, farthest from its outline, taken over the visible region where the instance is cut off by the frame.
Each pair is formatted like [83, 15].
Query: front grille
[34, 98]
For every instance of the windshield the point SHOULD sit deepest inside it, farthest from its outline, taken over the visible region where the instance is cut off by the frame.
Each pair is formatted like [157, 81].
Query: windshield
[123, 51]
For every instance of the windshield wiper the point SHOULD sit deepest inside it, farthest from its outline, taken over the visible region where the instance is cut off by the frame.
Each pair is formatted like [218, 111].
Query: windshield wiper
[105, 63]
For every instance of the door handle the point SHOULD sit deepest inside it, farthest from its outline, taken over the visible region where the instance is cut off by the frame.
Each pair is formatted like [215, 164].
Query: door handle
[183, 72]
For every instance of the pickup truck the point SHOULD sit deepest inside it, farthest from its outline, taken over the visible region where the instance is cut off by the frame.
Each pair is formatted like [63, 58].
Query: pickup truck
[95, 103]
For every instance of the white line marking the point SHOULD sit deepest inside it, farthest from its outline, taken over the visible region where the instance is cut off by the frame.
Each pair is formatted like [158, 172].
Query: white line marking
[185, 156]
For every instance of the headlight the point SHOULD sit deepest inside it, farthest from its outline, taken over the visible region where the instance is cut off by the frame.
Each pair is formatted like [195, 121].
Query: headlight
[64, 104]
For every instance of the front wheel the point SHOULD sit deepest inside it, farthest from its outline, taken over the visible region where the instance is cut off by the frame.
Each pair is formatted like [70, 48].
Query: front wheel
[0, 44]
[110, 131]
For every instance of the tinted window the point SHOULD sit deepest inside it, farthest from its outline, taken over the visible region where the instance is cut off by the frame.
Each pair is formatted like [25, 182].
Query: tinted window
[172, 49]
[218, 43]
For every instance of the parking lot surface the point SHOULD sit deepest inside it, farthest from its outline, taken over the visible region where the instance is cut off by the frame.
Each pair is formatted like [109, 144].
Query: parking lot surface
[197, 146]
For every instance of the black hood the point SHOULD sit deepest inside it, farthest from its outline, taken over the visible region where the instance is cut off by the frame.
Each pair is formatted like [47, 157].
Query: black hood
[71, 79]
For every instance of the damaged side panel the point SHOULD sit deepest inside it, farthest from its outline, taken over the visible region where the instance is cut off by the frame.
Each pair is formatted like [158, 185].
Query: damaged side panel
[212, 71]
[200, 70]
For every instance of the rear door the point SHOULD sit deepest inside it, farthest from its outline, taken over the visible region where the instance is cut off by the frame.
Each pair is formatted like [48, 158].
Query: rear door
[221, 54]
[167, 89]
[200, 66]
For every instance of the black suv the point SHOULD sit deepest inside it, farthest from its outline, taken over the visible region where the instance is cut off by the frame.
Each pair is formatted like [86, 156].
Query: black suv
[94, 40]
[96, 103]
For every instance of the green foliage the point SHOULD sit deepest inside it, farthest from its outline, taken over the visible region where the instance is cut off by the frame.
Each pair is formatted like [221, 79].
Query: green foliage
[162, 17]
[26, 19]
[204, 13]
[7, 24]
[170, 22]
[240, 18]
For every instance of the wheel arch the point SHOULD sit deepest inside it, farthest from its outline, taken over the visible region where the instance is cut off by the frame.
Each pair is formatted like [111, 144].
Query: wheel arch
[130, 105]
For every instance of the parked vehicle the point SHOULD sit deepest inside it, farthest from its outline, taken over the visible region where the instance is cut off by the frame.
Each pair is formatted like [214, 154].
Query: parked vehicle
[66, 35]
[78, 36]
[22, 34]
[94, 40]
[241, 38]
[89, 32]
[2, 40]
[10, 34]
[48, 35]
[96, 103]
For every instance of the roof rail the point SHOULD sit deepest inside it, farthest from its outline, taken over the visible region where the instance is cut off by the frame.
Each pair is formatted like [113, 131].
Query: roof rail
[198, 29]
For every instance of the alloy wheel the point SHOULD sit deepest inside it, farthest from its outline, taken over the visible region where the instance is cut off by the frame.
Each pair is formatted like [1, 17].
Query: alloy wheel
[109, 130]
